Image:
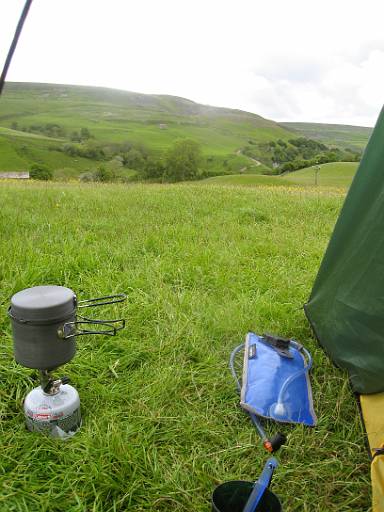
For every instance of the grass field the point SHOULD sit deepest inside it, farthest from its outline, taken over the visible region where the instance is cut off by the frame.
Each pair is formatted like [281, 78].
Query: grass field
[201, 265]
[338, 174]
[18, 150]
[250, 180]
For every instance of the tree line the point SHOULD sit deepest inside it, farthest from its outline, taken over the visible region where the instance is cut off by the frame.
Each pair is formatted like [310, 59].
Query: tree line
[54, 130]
[181, 162]
[297, 153]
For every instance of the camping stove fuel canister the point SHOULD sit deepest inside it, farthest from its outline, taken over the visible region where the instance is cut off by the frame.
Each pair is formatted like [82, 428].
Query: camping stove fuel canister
[55, 411]
[45, 324]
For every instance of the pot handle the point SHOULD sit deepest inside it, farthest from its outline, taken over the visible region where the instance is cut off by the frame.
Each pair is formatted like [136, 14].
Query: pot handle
[70, 329]
[102, 301]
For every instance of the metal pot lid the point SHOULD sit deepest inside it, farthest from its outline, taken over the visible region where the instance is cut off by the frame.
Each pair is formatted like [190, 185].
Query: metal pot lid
[42, 303]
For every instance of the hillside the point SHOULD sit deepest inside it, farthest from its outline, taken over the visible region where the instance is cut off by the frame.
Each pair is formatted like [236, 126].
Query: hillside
[121, 117]
[335, 174]
[249, 180]
[345, 136]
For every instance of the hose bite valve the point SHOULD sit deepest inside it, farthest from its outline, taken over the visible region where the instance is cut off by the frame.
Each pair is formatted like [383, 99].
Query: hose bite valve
[275, 443]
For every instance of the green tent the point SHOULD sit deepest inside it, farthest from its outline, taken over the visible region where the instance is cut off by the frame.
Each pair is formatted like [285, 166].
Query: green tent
[346, 306]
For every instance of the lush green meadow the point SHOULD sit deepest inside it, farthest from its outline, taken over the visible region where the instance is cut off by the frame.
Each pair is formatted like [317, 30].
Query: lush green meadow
[202, 266]
[249, 180]
[336, 174]
[19, 150]
[332, 175]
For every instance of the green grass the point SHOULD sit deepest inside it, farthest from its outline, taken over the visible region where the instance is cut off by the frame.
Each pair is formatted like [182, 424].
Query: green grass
[19, 152]
[26, 135]
[248, 180]
[355, 137]
[201, 265]
[338, 174]
[10, 160]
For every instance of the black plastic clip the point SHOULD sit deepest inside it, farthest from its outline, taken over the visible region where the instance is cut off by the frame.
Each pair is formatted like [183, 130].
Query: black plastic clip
[280, 344]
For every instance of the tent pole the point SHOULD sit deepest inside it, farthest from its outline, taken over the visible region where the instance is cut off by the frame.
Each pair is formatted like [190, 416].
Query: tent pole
[14, 43]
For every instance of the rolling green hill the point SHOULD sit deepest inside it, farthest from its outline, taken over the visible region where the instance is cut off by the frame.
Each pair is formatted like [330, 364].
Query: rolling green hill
[248, 180]
[114, 116]
[337, 174]
[345, 136]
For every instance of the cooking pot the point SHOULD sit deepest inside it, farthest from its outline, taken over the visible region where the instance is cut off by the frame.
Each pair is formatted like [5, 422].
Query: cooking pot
[45, 324]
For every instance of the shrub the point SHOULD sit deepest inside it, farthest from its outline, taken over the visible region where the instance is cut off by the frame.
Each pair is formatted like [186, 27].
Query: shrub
[153, 169]
[40, 172]
[65, 174]
[87, 177]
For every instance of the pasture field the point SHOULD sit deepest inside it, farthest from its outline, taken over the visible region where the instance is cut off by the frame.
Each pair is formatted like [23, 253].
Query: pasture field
[18, 152]
[332, 175]
[249, 180]
[202, 266]
[337, 174]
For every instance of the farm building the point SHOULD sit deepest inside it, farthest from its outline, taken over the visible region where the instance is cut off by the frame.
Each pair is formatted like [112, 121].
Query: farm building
[24, 175]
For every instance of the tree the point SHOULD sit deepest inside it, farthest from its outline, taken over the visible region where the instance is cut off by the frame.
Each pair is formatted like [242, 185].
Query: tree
[321, 159]
[182, 160]
[103, 174]
[40, 172]
[133, 159]
[75, 137]
[288, 167]
[85, 134]
[153, 169]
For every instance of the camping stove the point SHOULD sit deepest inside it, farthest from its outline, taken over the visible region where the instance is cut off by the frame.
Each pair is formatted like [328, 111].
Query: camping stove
[45, 324]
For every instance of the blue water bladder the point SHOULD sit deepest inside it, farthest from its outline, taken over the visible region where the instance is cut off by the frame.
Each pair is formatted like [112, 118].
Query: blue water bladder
[275, 384]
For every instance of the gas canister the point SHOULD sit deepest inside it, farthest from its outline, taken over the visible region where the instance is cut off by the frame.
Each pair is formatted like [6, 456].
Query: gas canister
[56, 413]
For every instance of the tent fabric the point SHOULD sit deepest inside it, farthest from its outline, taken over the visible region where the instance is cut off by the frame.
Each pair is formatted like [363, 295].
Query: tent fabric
[372, 407]
[346, 306]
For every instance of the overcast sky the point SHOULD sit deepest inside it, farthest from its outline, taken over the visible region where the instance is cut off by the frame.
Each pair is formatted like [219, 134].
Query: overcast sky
[296, 60]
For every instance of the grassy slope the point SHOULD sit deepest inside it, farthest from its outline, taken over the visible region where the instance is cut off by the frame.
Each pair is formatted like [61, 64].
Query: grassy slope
[202, 266]
[247, 180]
[333, 134]
[17, 153]
[118, 116]
[338, 174]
